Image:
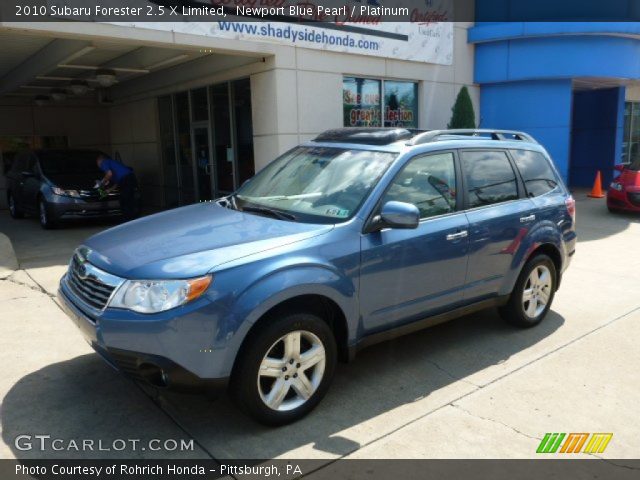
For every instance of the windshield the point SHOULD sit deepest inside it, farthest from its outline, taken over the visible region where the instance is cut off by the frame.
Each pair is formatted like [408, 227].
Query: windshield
[316, 184]
[70, 162]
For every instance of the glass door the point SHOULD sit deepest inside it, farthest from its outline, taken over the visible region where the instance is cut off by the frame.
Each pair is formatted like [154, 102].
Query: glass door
[222, 139]
[202, 162]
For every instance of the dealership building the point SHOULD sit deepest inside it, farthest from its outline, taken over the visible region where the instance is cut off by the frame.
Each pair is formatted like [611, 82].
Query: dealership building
[197, 108]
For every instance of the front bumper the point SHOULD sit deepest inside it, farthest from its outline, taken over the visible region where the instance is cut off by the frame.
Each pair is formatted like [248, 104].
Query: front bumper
[66, 208]
[624, 200]
[150, 367]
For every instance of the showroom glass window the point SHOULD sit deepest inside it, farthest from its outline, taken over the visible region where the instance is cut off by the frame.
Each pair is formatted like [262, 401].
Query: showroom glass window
[489, 177]
[400, 104]
[362, 102]
[631, 139]
[538, 176]
[369, 102]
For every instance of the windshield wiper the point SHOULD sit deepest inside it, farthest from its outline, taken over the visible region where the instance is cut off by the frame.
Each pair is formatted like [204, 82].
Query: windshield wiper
[270, 212]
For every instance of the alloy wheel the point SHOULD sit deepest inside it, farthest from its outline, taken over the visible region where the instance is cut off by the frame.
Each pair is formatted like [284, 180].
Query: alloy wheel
[537, 291]
[291, 371]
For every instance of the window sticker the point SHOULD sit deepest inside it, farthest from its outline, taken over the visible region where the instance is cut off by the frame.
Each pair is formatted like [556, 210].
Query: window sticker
[337, 212]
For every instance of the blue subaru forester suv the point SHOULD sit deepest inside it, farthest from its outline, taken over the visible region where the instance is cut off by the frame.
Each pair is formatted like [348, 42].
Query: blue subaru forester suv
[347, 240]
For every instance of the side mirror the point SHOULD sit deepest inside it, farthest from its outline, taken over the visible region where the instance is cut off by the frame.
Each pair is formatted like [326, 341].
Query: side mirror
[620, 166]
[398, 215]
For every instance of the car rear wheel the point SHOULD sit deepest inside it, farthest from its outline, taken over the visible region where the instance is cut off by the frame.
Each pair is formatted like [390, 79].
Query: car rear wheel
[533, 294]
[285, 368]
[46, 220]
[14, 210]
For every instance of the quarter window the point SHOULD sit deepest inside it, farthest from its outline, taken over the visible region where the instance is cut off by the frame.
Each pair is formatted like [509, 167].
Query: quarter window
[538, 176]
[428, 182]
[489, 177]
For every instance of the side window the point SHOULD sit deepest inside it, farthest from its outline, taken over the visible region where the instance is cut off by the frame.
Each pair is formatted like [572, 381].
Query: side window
[539, 178]
[428, 182]
[489, 177]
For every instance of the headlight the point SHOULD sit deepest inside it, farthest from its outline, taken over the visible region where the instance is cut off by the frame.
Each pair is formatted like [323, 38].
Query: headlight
[616, 186]
[66, 193]
[153, 296]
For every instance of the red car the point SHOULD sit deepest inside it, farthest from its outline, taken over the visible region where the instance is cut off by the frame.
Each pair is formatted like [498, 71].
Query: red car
[624, 191]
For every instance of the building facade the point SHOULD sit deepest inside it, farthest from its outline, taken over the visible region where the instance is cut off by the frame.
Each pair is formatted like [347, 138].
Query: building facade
[196, 112]
[198, 108]
[572, 85]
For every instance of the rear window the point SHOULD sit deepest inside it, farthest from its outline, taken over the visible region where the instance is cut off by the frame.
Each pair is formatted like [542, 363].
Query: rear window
[537, 174]
[489, 177]
[71, 161]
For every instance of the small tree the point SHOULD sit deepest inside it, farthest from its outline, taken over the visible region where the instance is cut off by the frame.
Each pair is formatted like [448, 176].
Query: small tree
[463, 115]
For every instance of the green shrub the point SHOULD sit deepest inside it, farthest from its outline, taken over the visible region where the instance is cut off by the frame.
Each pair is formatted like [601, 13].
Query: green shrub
[463, 115]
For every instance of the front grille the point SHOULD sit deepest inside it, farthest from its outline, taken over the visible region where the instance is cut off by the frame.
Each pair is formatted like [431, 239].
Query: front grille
[90, 284]
[634, 198]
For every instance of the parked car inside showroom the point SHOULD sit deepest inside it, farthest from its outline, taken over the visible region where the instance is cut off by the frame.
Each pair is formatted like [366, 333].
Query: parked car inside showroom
[58, 185]
[624, 190]
[344, 241]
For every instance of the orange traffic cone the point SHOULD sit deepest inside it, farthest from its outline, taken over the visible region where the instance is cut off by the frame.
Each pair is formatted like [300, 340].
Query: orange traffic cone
[596, 191]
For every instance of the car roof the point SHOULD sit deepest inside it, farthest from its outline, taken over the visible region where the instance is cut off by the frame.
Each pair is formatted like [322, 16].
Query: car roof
[397, 140]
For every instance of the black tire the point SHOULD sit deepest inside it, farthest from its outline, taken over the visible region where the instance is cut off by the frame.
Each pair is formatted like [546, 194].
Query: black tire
[613, 210]
[47, 221]
[14, 210]
[514, 311]
[248, 389]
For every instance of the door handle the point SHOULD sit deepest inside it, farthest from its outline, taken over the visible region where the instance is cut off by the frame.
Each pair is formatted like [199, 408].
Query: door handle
[457, 236]
[526, 219]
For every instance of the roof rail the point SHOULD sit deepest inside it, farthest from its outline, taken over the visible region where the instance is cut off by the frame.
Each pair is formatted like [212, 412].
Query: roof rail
[432, 135]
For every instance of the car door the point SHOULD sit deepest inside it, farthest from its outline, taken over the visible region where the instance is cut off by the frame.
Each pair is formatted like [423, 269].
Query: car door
[407, 274]
[499, 216]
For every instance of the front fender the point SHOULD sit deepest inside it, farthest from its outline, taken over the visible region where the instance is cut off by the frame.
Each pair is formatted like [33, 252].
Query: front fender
[268, 290]
[290, 282]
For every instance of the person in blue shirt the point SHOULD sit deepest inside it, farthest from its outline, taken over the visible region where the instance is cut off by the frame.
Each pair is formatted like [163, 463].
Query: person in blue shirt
[117, 173]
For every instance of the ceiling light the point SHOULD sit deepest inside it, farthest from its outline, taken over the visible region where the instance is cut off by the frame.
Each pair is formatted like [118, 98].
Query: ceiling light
[42, 100]
[78, 87]
[106, 77]
[58, 94]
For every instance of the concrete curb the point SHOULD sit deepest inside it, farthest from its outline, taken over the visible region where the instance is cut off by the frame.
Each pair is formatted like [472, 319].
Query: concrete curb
[8, 259]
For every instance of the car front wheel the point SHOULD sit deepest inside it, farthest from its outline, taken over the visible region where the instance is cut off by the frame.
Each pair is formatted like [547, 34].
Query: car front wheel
[46, 221]
[285, 368]
[14, 210]
[533, 294]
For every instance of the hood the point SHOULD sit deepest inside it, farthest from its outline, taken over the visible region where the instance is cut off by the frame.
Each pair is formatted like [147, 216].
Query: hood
[74, 181]
[190, 241]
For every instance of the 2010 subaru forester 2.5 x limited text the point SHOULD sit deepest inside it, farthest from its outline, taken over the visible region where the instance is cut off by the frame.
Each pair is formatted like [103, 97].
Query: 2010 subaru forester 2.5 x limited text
[344, 241]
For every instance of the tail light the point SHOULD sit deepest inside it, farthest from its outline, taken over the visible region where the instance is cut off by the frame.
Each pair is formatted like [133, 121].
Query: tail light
[570, 202]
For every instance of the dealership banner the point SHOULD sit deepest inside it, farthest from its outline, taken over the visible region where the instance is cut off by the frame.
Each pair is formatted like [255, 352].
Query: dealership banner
[428, 42]
[348, 26]
[416, 30]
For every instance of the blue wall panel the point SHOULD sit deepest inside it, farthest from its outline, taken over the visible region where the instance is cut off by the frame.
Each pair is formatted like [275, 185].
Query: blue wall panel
[557, 57]
[526, 72]
[541, 108]
[540, 10]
